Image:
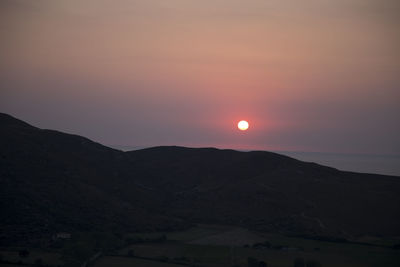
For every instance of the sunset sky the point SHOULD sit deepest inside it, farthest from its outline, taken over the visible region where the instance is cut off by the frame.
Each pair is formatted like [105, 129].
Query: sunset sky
[312, 75]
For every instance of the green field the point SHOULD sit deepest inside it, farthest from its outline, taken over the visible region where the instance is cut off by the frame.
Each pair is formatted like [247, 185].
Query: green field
[208, 245]
[124, 261]
[204, 245]
[52, 258]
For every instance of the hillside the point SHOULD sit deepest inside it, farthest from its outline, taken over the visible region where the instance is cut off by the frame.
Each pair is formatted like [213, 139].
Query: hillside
[268, 191]
[52, 181]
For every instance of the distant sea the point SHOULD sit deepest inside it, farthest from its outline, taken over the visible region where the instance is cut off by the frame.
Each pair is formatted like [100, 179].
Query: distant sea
[367, 163]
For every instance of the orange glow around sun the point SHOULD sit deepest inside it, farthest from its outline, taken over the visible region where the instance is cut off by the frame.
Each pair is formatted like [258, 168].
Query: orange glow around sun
[243, 125]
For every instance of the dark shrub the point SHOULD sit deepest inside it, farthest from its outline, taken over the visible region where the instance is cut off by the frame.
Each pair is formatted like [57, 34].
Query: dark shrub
[299, 262]
[131, 253]
[39, 262]
[252, 262]
[23, 253]
[313, 263]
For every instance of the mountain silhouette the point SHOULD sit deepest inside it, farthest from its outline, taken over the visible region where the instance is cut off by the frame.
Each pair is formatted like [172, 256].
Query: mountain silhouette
[52, 181]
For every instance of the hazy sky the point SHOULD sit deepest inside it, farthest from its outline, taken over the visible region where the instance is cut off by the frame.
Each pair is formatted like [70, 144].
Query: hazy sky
[312, 75]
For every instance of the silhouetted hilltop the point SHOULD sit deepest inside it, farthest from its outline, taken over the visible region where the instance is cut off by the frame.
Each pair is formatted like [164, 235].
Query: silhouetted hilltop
[52, 181]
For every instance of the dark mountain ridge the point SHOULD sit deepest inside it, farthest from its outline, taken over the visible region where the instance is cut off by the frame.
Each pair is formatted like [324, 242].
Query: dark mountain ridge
[52, 181]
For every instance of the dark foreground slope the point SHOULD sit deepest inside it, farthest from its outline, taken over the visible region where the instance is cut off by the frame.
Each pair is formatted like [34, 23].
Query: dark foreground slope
[51, 181]
[268, 191]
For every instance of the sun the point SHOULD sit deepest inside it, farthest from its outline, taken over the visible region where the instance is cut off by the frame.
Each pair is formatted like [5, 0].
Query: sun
[243, 125]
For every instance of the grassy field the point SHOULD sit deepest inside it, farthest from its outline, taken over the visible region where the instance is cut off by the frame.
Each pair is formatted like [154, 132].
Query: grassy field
[205, 245]
[125, 262]
[208, 245]
[46, 257]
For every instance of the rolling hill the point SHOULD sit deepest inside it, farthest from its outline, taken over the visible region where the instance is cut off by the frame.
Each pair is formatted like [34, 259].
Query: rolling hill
[52, 181]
